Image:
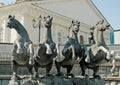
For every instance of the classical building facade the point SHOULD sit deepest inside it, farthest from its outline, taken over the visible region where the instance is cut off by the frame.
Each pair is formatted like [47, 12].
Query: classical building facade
[62, 11]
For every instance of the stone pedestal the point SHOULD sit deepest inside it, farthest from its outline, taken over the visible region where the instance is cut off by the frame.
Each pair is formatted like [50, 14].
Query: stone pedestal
[14, 82]
[30, 82]
[53, 80]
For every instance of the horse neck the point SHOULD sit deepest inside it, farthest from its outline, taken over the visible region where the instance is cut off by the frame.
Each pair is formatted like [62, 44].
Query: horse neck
[22, 32]
[19, 29]
[48, 34]
[73, 36]
[102, 39]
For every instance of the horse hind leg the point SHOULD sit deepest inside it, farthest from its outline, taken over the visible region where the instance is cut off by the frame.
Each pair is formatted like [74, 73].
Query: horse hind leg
[73, 51]
[15, 67]
[82, 68]
[48, 68]
[31, 60]
[19, 48]
[36, 67]
[95, 70]
[30, 67]
[69, 68]
[58, 67]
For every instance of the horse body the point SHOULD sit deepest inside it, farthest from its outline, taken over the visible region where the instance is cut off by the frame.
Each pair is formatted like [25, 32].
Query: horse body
[98, 53]
[46, 51]
[71, 51]
[23, 49]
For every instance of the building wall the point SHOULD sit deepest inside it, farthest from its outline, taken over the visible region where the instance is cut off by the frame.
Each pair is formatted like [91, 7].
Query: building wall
[25, 13]
[116, 37]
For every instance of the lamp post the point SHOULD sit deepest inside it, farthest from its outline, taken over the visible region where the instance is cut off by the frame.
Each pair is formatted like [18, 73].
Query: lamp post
[35, 25]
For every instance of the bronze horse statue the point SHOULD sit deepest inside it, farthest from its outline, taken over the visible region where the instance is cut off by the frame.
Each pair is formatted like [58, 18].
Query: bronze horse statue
[71, 51]
[23, 49]
[98, 52]
[46, 51]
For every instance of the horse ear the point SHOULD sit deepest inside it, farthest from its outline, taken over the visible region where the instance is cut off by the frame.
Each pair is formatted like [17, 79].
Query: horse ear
[40, 17]
[79, 23]
[44, 18]
[73, 21]
[51, 18]
[10, 17]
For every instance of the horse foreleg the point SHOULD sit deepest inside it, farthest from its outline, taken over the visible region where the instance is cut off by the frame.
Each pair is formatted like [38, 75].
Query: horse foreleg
[87, 59]
[106, 51]
[73, 51]
[19, 49]
[113, 67]
[48, 51]
[31, 60]
[113, 61]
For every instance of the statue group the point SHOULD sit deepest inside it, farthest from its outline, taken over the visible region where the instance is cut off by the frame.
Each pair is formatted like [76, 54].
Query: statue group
[23, 52]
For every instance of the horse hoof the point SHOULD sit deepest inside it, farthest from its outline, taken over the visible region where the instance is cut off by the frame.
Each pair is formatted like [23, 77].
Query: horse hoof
[48, 75]
[86, 76]
[97, 76]
[71, 75]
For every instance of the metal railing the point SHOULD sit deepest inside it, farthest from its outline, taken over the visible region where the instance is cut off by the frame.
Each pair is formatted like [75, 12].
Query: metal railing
[6, 51]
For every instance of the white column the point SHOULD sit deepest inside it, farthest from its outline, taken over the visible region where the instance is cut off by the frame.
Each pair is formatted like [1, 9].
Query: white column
[3, 26]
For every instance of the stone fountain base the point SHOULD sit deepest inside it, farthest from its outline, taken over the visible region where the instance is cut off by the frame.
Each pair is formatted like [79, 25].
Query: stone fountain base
[53, 80]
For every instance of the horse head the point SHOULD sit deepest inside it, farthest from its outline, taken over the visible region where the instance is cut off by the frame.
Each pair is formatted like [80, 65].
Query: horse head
[105, 25]
[48, 21]
[12, 23]
[74, 27]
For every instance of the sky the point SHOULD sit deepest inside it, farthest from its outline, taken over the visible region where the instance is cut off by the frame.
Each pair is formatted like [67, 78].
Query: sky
[109, 9]
[7, 1]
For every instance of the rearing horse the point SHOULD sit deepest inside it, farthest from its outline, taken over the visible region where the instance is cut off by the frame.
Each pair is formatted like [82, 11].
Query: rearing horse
[23, 49]
[99, 52]
[71, 51]
[46, 51]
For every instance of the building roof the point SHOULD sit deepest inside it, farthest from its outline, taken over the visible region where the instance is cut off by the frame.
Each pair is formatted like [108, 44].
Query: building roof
[74, 9]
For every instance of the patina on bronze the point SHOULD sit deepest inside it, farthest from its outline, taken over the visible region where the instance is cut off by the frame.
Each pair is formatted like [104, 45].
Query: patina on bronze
[98, 52]
[23, 49]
